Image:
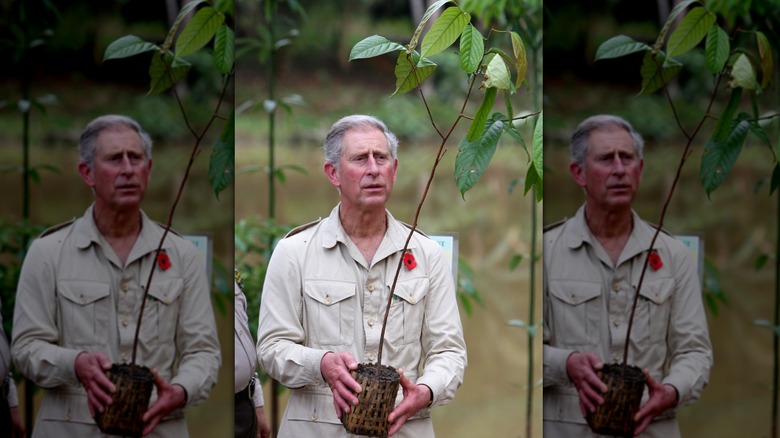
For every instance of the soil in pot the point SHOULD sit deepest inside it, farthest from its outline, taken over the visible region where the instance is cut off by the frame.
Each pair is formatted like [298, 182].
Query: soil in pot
[375, 402]
[625, 385]
[134, 385]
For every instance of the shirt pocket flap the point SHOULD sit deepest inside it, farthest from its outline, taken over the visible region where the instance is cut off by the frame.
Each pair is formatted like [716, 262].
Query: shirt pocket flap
[166, 291]
[658, 291]
[575, 292]
[412, 291]
[329, 292]
[83, 292]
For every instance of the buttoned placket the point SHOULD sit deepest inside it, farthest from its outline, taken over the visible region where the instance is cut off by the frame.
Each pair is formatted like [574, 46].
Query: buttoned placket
[620, 295]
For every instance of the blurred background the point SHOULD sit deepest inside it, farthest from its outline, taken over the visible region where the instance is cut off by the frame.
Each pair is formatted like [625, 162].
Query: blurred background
[738, 223]
[53, 82]
[310, 84]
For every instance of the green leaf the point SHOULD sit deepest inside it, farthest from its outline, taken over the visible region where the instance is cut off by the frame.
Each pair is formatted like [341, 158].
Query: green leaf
[472, 49]
[719, 157]
[411, 71]
[183, 14]
[444, 31]
[372, 46]
[514, 133]
[531, 179]
[221, 162]
[199, 31]
[521, 59]
[474, 157]
[618, 46]
[514, 262]
[775, 179]
[426, 16]
[537, 159]
[723, 127]
[657, 71]
[224, 49]
[659, 42]
[497, 74]
[765, 55]
[691, 31]
[161, 78]
[716, 49]
[478, 124]
[742, 74]
[128, 45]
[761, 261]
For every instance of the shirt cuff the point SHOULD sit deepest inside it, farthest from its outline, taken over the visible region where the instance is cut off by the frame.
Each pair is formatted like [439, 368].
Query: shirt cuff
[555, 366]
[257, 397]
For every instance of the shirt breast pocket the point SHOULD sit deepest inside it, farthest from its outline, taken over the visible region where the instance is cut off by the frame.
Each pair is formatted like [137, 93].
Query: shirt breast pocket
[408, 310]
[576, 308]
[653, 310]
[84, 310]
[161, 312]
[330, 306]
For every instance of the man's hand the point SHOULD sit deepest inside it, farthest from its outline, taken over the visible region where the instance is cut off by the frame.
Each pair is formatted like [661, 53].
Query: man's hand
[169, 397]
[416, 397]
[335, 369]
[91, 370]
[662, 397]
[263, 429]
[17, 428]
[582, 368]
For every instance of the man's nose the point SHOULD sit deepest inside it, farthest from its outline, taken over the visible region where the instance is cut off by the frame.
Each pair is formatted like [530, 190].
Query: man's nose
[617, 164]
[126, 166]
[373, 166]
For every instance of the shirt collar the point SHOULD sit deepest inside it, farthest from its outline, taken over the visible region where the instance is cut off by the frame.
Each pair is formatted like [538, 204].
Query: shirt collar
[395, 236]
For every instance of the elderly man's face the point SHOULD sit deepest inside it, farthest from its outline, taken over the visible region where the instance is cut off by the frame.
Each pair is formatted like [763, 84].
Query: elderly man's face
[120, 171]
[367, 170]
[612, 169]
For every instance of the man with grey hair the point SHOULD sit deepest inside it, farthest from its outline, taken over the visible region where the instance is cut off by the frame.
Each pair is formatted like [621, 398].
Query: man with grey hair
[592, 266]
[80, 292]
[325, 294]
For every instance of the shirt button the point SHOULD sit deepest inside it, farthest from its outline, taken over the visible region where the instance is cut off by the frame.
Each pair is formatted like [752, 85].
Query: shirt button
[616, 287]
[370, 287]
[67, 416]
[125, 287]
[413, 300]
[314, 416]
[616, 322]
[124, 322]
[371, 322]
[370, 356]
[124, 357]
[328, 300]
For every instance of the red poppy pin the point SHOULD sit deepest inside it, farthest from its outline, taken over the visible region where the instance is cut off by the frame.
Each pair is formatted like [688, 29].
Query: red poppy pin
[409, 261]
[163, 261]
[655, 261]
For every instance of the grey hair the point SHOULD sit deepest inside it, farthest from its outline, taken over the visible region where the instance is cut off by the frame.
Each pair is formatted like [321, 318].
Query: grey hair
[334, 140]
[579, 140]
[88, 140]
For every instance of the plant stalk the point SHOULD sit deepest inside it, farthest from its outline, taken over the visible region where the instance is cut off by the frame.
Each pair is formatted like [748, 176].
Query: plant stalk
[775, 338]
[439, 155]
[193, 156]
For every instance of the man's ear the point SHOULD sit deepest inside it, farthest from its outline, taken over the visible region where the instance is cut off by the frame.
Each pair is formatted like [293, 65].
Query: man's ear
[86, 174]
[578, 173]
[333, 174]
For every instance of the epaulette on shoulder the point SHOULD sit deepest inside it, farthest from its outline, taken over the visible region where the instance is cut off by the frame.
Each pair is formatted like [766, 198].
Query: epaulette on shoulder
[416, 230]
[171, 230]
[57, 227]
[300, 228]
[663, 230]
[554, 225]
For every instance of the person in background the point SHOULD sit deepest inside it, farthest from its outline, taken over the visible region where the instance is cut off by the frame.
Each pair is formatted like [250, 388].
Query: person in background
[10, 420]
[325, 294]
[250, 418]
[592, 266]
[80, 293]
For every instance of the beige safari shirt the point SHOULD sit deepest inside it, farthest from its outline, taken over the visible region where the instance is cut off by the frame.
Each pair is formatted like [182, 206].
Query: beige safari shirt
[320, 295]
[74, 295]
[587, 303]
